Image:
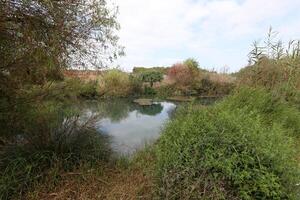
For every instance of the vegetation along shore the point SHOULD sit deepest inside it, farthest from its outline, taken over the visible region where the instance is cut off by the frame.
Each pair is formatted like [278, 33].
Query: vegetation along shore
[72, 127]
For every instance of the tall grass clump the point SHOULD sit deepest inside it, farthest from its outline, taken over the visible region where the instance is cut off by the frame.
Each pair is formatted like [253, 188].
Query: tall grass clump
[224, 152]
[115, 83]
[271, 107]
[275, 66]
[51, 143]
[82, 89]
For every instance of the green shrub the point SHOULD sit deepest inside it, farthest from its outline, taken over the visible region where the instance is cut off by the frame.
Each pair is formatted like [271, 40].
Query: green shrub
[88, 90]
[116, 84]
[274, 66]
[149, 91]
[226, 152]
[192, 63]
[136, 84]
[151, 77]
[208, 87]
[165, 91]
[79, 88]
[271, 107]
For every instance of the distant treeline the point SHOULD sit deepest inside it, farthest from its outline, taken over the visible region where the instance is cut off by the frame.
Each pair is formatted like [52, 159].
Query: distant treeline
[163, 70]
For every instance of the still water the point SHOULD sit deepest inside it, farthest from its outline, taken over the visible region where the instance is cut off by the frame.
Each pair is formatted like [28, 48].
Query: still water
[129, 125]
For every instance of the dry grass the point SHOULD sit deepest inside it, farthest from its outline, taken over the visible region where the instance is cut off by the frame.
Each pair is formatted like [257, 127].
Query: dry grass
[86, 75]
[221, 78]
[181, 99]
[111, 184]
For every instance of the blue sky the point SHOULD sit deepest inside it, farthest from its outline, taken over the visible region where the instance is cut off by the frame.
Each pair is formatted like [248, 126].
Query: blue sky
[217, 33]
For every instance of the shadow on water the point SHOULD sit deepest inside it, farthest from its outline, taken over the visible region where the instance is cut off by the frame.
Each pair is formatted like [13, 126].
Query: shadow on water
[152, 110]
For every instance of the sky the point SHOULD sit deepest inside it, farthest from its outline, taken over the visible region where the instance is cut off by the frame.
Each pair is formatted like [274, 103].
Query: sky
[217, 33]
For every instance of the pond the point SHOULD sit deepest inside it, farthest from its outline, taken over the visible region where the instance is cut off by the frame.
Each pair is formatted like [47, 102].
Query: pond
[129, 125]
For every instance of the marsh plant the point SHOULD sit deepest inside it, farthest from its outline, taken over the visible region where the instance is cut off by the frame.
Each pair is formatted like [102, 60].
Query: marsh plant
[274, 66]
[49, 150]
[274, 48]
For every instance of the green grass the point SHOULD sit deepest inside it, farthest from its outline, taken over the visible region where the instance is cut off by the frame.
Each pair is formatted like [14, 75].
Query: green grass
[229, 151]
[271, 107]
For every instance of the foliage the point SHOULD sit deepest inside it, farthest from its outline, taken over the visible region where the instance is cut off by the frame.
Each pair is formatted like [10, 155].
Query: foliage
[192, 63]
[183, 77]
[40, 38]
[208, 86]
[151, 77]
[226, 152]
[166, 90]
[271, 108]
[136, 84]
[274, 67]
[116, 84]
[89, 90]
[271, 74]
[40, 131]
[51, 142]
[188, 79]
[140, 70]
[274, 49]
[82, 89]
[149, 91]
[44, 99]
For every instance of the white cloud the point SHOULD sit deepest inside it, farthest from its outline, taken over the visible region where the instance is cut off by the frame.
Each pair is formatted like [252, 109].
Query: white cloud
[216, 32]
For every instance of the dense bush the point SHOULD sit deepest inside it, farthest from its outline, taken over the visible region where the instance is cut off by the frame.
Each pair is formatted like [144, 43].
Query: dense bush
[89, 90]
[210, 87]
[116, 84]
[191, 63]
[227, 152]
[269, 106]
[275, 68]
[80, 88]
[188, 79]
[271, 74]
[149, 91]
[183, 77]
[165, 91]
[151, 77]
[136, 84]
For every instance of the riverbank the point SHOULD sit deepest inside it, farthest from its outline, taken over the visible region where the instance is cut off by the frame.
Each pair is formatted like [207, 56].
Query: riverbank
[219, 140]
[113, 184]
[125, 178]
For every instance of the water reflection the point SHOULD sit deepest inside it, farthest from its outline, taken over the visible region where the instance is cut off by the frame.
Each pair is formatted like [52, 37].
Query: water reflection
[152, 110]
[129, 125]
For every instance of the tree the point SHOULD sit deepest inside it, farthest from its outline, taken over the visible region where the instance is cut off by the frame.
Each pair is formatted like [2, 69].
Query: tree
[183, 77]
[181, 74]
[152, 77]
[40, 38]
[192, 63]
